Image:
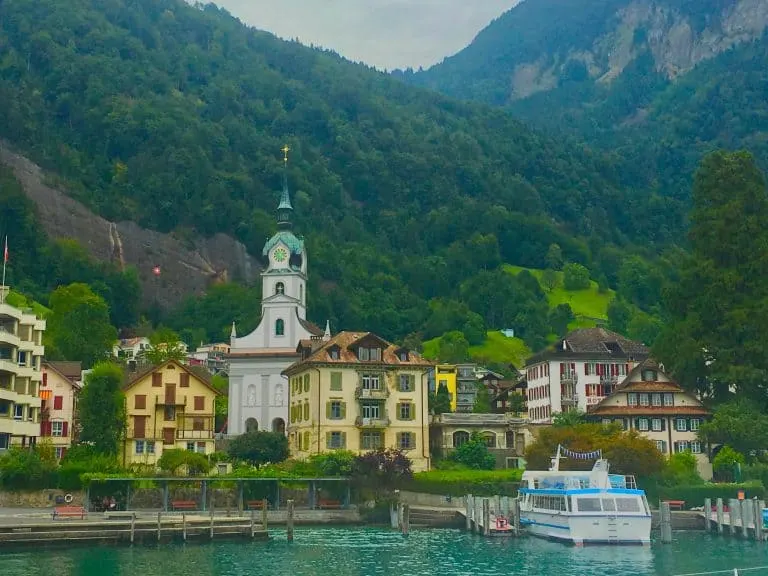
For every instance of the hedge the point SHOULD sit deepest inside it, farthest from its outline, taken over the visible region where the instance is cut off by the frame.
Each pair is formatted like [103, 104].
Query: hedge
[462, 482]
[694, 495]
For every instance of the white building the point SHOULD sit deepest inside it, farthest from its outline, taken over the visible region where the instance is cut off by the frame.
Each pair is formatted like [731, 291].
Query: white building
[258, 394]
[579, 371]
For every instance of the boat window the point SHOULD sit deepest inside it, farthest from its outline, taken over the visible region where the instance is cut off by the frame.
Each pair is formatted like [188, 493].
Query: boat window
[609, 505]
[627, 504]
[588, 504]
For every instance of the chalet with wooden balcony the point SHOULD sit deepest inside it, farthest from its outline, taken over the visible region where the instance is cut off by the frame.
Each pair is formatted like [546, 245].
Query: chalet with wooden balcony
[168, 406]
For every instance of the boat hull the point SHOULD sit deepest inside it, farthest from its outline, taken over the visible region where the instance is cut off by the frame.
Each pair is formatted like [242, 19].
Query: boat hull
[583, 530]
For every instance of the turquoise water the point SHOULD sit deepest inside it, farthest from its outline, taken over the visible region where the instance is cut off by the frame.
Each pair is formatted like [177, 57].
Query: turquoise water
[371, 551]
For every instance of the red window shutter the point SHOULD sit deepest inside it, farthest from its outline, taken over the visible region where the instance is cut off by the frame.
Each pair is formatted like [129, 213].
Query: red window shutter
[45, 378]
[58, 402]
[65, 430]
[157, 379]
[184, 380]
[199, 402]
[48, 426]
[562, 368]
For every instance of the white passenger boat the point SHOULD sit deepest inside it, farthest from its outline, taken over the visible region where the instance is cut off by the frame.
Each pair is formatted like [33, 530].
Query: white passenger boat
[584, 507]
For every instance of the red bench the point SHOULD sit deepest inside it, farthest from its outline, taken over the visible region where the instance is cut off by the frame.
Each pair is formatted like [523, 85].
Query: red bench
[184, 505]
[675, 504]
[255, 504]
[69, 512]
[328, 504]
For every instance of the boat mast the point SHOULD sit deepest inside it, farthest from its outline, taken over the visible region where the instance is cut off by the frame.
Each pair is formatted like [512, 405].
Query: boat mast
[555, 462]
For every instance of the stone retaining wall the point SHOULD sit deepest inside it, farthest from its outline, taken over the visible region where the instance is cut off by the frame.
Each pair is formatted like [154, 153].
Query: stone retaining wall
[39, 499]
[432, 500]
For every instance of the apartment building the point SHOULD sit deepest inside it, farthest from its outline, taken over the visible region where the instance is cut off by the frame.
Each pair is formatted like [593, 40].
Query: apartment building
[358, 392]
[579, 371]
[21, 354]
[168, 406]
[59, 392]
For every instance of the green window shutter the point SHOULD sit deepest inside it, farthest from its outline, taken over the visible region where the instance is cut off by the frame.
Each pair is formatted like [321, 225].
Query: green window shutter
[398, 440]
[343, 439]
[663, 424]
[327, 439]
[328, 410]
[306, 410]
[343, 410]
[398, 408]
[412, 382]
[636, 424]
[306, 440]
[336, 381]
[412, 412]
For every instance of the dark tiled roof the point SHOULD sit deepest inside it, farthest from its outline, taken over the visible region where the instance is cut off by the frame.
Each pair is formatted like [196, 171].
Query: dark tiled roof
[345, 341]
[597, 343]
[312, 328]
[70, 370]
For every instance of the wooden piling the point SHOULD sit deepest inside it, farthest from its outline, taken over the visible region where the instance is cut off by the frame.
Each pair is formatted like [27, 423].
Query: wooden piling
[761, 506]
[516, 515]
[486, 517]
[211, 518]
[158, 526]
[133, 527]
[289, 529]
[184, 527]
[757, 515]
[733, 513]
[708, 514]
[468, 512]
[406, 527]
[666, 522]
[478, 515]
[253, 522]
[720, 515]
[745, 517]
[264, 513]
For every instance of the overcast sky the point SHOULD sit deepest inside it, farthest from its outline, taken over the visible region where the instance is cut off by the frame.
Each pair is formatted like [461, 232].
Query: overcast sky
[384, 33]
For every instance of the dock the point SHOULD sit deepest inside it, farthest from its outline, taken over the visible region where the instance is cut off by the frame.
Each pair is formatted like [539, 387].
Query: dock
[492, 516]
[742, 518]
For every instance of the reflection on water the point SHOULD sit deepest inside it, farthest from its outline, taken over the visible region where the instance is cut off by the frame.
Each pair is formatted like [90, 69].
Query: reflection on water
[369, 551]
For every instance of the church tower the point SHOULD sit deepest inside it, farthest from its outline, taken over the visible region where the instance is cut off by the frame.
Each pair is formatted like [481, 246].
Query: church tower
[258, 395]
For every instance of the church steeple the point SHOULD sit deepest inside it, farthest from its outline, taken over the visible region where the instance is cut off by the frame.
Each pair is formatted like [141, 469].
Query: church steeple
[285, 208]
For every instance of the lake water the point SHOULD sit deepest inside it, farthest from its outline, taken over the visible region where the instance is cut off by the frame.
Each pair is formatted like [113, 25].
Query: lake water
[373, 551]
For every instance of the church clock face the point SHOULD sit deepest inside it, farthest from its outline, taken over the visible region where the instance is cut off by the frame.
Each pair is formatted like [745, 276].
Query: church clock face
[280, 255]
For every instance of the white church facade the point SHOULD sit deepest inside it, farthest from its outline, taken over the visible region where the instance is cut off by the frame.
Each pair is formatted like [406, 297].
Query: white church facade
[258, 394]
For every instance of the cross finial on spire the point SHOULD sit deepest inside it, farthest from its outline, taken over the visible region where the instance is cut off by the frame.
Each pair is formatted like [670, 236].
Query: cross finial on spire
[285, 150]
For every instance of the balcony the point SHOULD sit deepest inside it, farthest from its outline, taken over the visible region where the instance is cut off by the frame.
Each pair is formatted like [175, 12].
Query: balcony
[569, 378]
[609, 380]
[139, 434]
[194, 434]
[371, 394]
[170, 400]
[8, 337]
[381, 422]
[570, 398]
[7, 365]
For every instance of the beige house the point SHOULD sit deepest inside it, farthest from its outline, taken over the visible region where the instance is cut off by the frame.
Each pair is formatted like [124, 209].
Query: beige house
[168, 406]
[651, 403]
[505, 435]
[21, 354]
[59, 391]
[358, 392]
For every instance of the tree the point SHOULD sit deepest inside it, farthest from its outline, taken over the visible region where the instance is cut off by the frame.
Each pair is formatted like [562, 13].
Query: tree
[517, 402]
[554, 258]
[221, 405]
[726, 460]
[385, 470]
[717, 310]
[102, 408]
[627, 452]
[568, 419]
[177, 460]
[549, 279]
[560, 317]
[259, 448]
[681, 469]
[739, 424]
[474, 454]
[482, 403]
[164, 345]
[575, 277]
[78, 327]
[619, 315]
[441, 400]
[453, 347]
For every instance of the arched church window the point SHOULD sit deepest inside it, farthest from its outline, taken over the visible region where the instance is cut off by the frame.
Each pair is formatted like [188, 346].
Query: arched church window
[279, 327]
[279, 288]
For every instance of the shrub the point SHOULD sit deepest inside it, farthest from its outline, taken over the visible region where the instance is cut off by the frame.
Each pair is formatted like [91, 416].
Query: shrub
[330, 464]
[24, 469]
[726, 459]
[694, 495]
[463, 482]
[575, 277]
[473, 454]
[176, 459]
[757, 472]
[82, 459]
[259, 448]
[681, 470]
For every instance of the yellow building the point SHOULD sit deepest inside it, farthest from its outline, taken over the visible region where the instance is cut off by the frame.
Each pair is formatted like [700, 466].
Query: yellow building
[358, 392]
[21, 355]
[446, 374]
[168, 406]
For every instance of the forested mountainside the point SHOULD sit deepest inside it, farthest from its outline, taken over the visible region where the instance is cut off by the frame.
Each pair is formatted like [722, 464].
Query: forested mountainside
[173, 116]
[658, 82]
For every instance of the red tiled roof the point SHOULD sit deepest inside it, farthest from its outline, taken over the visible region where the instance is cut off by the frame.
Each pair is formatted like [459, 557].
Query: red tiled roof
[649, 410]
[650, 387]
[198, 372]
[346, 341]
[266, 354]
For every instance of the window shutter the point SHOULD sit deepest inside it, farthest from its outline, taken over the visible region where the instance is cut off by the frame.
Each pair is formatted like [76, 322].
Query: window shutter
[64, 452]
[58, 402]
[199, 402]
[562, 368]
[65, 430]
[627, 369]
[343, 410]
[637, 423]
[184, 382]
[412, 412]
[398, 410]
[398, 440]
[157, 379]
[343, 439]
[663, 424]
[573, 368]
[328, 410]
[327, 439]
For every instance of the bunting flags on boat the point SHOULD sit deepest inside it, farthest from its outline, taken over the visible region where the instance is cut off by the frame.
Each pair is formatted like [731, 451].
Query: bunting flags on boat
[594, 455]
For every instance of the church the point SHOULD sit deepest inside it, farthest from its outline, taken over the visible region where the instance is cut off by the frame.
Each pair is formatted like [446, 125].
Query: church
[258, 394]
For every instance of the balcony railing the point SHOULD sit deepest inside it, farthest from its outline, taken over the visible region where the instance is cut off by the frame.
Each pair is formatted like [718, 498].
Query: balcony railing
[381, 422]
[570, 398]
[609, 380]
[167, 400]
[569, 378]
[194, 434]
[146, 434]
[372, 394]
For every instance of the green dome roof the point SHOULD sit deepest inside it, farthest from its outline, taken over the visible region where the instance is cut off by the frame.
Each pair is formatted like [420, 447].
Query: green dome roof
[294, 244]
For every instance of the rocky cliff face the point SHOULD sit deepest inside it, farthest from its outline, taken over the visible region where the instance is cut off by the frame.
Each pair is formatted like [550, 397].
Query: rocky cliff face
[677, 39]
[187, 267]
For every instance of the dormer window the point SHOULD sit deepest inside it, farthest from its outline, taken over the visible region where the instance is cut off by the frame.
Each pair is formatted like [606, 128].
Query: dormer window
[369, 354]
[279, 288]
[649, 375]
[403, 355]
[333, 353]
